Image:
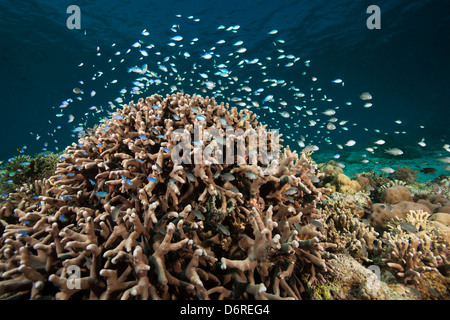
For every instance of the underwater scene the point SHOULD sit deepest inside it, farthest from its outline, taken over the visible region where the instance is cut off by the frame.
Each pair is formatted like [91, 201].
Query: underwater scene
[224, 150]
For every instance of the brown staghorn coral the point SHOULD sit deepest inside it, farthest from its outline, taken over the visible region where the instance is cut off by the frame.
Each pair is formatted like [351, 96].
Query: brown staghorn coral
[121, 220]
[412, 246]
[345, 227]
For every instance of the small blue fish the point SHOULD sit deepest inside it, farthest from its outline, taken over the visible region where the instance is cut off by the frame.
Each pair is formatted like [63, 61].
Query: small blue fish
[70, 174]
[92, 182]
[143, 137]
[135, 69]
[268, 98]
[166, 150]
[228, 177]
[290, 191]
[129, 182]
[206, 56]
[118, 116]
[191, 177]
[101, 194]
[62, 218]
[24, 164]
[199, 215]
[159, 136]
[155, 107]
[251, 175]
[152, 179]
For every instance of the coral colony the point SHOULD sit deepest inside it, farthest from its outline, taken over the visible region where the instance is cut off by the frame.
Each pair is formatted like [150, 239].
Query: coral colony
[136, 222]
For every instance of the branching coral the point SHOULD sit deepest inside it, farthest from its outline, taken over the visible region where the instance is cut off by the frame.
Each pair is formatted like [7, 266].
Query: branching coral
[122, 218]
[412, 246]
[346, 229]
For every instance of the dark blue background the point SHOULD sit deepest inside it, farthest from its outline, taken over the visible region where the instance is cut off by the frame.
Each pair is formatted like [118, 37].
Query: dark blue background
[405, 65]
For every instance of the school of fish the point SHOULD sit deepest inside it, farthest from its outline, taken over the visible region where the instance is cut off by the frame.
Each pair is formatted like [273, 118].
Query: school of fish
[227, 70]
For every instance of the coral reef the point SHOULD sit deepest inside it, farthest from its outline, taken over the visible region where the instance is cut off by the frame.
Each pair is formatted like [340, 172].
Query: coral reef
[120, 219]
[405, 241]
[398, 200]
[143, 208]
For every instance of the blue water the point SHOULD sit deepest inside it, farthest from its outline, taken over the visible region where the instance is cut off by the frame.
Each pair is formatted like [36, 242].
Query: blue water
[404, 65]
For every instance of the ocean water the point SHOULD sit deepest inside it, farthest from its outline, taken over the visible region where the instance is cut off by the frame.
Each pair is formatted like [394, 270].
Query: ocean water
[403, 65]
